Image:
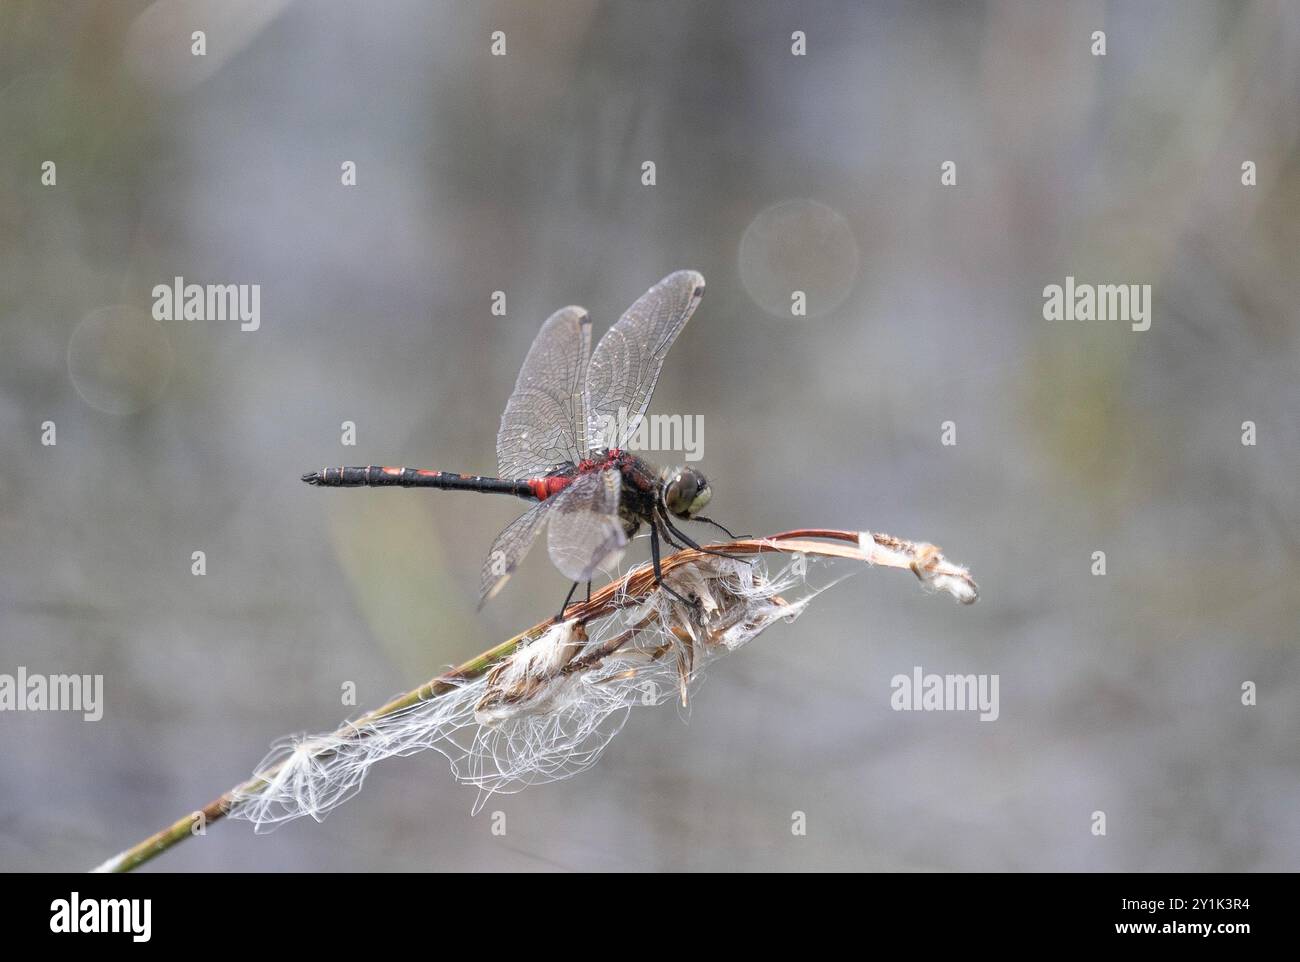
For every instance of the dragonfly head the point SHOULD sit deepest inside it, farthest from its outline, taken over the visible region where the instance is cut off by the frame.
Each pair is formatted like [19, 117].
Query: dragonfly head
[686, 491]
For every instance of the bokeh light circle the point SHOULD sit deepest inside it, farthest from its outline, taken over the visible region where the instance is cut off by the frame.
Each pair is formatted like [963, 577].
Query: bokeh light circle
[119, 359]
[798, 245]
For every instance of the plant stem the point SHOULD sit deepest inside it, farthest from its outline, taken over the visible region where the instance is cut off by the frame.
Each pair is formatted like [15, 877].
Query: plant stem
[216, 809]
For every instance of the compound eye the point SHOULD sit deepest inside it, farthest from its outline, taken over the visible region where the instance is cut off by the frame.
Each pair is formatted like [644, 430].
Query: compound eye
[680, 492]
[700, 501]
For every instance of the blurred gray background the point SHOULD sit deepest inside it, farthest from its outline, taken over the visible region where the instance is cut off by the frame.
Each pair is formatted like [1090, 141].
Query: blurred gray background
[522, 173]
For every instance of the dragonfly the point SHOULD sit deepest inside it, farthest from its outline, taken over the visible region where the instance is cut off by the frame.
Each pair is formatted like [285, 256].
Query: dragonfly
[563, 444]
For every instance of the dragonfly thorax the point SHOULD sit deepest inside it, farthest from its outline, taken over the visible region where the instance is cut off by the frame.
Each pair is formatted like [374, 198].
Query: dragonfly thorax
[681, 491]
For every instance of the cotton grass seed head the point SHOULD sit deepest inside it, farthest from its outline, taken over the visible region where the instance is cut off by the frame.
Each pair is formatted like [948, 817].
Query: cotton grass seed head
[546, 707]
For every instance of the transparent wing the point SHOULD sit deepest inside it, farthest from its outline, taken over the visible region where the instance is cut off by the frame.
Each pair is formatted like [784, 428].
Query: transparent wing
[625, 367]
[509, 548]
[544, 423]
[586, 533]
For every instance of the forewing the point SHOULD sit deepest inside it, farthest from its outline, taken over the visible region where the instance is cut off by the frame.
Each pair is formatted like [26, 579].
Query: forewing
[509, 548]
[625, 366]
[544, 423]
[586, 533]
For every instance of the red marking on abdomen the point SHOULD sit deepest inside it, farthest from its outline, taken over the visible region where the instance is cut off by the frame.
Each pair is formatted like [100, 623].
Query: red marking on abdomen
[391, 470]
[543, 488]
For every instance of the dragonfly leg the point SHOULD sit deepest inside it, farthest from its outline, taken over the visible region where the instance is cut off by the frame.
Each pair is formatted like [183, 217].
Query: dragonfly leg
[659, 572]
[588, 591]
[668, 526]
[733, 537]
[671, 540]
[560, 617]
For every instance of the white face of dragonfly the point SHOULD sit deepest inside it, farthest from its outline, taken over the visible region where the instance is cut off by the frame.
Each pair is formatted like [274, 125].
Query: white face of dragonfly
[686, 492]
